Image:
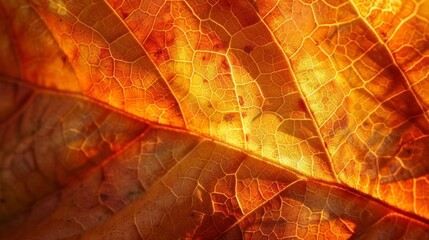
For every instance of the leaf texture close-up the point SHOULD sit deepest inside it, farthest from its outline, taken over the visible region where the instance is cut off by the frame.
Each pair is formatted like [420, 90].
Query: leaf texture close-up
[214, 119]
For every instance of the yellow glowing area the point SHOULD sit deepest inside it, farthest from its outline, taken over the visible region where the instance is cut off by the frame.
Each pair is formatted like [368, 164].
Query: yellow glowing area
[57, 6]
[263, 135]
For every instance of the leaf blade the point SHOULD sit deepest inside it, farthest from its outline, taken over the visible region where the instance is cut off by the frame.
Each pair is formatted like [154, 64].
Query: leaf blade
[246, 106]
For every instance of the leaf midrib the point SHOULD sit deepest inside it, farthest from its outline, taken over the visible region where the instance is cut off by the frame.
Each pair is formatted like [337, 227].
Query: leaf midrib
[156, 125]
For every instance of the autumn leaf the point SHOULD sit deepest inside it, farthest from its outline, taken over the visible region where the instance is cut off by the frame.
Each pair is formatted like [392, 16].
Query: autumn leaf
[225, 119]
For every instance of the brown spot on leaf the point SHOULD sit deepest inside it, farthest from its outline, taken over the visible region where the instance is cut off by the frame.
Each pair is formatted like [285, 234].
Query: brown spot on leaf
[104, 197]
[157, 44]
[407, 151]
[161, 55]
[248, 49]
[302, 105]
[133, 193]
[229, 117]
[224, 65]
[240, 100]
[123, 14]
[218, 46]
[158, 53]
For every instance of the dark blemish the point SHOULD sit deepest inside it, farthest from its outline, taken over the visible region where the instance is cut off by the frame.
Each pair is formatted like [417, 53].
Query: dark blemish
[204, 58]
[64, 58]
[224, 65]
[192, 214]
[217, 46]
[2, 200]
[247, 137]
[248, 49]
[205, 81]
[240, 100]
[302, 105]
[326, 144]
[61, 19]
[229, 117]
[103, 197]
[383, 36]
[316, 42]
[210, 105]
[257, 116]
[158, 52]
[133, 193]
[123, 14]
[408, 151]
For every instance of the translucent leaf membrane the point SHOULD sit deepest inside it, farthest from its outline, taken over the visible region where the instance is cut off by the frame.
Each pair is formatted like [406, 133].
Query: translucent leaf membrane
[29, 51]
[403, 26]
[214, 119]
[200, 189]
[172, 62]
[373, 123]
[109, 63]
[83, 205]
[47, 139]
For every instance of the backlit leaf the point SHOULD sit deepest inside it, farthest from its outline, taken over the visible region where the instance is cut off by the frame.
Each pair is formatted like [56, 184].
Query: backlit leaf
[221, 119]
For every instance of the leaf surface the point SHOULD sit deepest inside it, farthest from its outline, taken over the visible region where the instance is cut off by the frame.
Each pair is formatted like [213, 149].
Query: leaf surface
[202, 120]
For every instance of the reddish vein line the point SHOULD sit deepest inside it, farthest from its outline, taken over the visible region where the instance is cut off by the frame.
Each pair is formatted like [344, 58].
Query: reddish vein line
[316, 126]
[303, 176]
